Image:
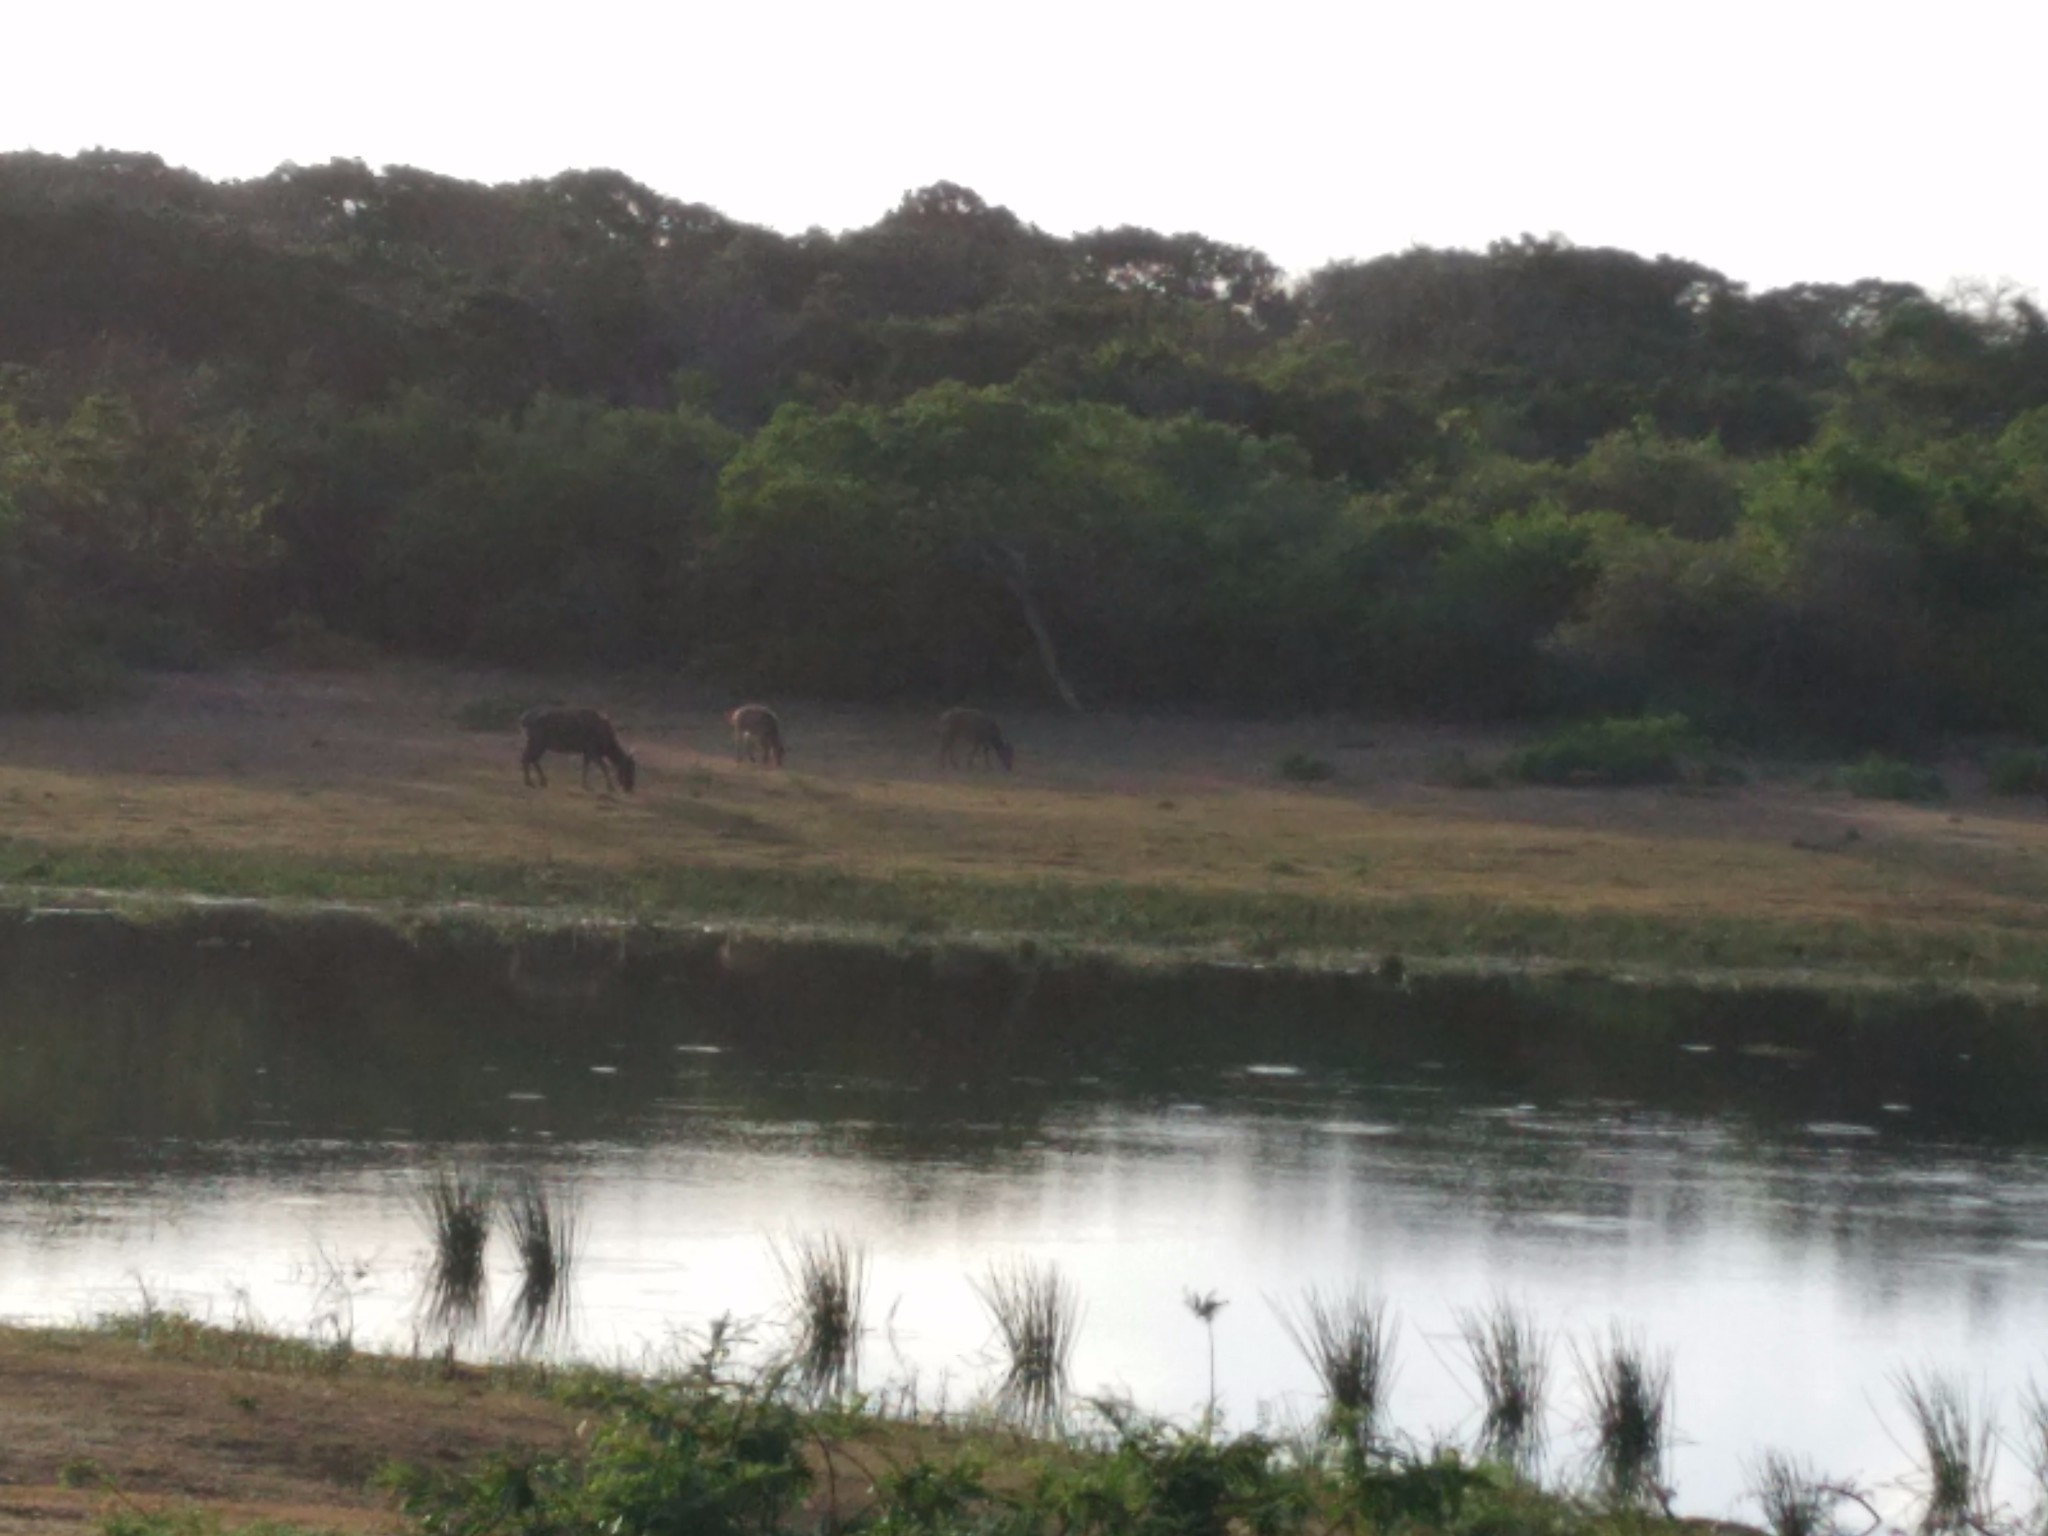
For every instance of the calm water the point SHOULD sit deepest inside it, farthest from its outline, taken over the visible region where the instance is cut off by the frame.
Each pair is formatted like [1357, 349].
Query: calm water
[245, 1142]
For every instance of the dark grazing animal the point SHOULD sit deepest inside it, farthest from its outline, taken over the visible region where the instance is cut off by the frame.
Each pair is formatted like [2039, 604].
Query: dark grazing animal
[978, 732]
[756, 734]
[583, 731]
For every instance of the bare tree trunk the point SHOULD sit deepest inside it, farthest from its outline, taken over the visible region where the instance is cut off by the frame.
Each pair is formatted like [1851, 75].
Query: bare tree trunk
[1007, 560]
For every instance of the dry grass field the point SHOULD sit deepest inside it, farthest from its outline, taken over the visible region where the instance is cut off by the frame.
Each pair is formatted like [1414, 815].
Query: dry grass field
[1163, 831]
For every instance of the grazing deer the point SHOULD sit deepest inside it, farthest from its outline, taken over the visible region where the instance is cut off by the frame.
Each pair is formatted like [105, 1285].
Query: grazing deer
[756, 734]
[978, 730]
[586, 731]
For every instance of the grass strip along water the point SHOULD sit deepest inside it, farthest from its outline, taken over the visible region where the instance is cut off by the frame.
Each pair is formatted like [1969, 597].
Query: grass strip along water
[1271, 926]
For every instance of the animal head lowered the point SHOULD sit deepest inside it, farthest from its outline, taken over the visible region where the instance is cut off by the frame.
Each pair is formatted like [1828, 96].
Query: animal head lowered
[756, 735]
[586, 733]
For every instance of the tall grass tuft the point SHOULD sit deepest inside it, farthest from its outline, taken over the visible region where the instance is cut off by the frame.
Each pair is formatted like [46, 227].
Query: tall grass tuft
[456, 1206]
[1349, 1342]
[1794, 1500]
[543, 1225]
[1511, 1357]
[1037, 1312]
[2034, 1444]
[1956, 1447]
[825, 1279]
[1629, 1391]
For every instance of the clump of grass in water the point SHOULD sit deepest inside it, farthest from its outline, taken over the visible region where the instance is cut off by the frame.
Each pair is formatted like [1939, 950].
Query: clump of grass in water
[2034, 1444]
[1511, 1358]
[457, 1209]
[1348, 1341]
[826, 1279]
[1794, 1500]
[1956, 1450]
[1037, 1312]
[543, 1227]
[1630, 1393]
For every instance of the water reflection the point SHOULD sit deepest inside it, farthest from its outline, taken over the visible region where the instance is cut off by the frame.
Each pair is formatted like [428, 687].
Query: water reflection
[247, 1135]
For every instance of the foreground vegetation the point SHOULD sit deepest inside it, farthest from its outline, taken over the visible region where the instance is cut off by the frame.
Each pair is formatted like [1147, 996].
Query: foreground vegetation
[702, 1447]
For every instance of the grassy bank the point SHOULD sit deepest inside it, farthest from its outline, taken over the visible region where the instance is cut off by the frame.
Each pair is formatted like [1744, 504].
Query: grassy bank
[1169, 834]
[1254, 924]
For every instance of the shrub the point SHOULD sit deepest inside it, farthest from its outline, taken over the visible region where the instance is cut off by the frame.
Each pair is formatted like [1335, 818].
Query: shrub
[1878, 777]
[2018, 772]
[1649, 750]
[698, 1459]
[1303, 768]
[1175, 1482]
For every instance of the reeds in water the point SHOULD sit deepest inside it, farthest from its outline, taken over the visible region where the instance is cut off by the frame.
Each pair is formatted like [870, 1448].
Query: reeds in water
[1956, 1450]
[456, 1206]
[826, 1279]
[1629, 1392]
[2034, 1445]
[1037, 1312]
[543, 1226]
[1793, 1498]
[1349, 1342]
[1511, 1357]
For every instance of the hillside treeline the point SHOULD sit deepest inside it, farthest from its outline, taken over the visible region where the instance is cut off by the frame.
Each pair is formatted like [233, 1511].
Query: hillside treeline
[574, 422]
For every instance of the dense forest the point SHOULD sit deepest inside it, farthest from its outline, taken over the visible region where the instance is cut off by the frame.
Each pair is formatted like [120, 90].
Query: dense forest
[574, 422]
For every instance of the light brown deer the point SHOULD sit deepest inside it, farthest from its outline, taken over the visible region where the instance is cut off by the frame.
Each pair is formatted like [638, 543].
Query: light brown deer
[976, 730]
[584, 731]
[756, 734]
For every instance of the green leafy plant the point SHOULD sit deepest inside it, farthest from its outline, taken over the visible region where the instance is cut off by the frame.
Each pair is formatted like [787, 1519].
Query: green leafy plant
[2017, 772]
[692, 1458]
[1616, 751]
[1165, 1481]
[1881, 777]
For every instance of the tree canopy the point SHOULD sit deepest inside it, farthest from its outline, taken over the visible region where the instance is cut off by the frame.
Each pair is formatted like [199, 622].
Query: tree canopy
[575, 420]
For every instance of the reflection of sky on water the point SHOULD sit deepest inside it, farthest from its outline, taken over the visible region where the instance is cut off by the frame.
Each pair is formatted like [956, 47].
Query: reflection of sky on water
[1790, 1272]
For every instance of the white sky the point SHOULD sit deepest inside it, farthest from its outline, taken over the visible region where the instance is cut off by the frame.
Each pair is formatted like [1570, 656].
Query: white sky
[1802, 140]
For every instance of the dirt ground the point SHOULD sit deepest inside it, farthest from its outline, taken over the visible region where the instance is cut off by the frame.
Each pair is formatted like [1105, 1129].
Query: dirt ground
[312, 765]
[90, 1426]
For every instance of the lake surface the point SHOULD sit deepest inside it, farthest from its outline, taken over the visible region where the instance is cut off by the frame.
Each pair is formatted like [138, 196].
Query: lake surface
[248, 1139]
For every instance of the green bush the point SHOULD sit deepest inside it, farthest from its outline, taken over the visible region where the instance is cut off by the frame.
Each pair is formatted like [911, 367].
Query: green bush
[1302, 768]
[2018, 772]
[1165, 1481]
[1878, 777]
[700, 1459]
[1649, 750]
